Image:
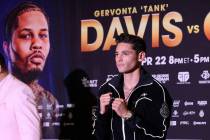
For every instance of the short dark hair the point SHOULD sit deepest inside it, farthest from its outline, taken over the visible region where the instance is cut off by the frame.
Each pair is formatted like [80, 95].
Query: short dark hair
[138, 43]
[11, 20]
[2, 62]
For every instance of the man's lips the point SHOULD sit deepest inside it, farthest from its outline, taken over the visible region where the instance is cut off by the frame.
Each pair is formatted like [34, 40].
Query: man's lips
[36, 58]
[120, 65]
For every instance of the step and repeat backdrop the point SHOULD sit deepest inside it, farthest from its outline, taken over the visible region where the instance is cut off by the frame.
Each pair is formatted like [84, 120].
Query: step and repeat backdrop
[81, 57]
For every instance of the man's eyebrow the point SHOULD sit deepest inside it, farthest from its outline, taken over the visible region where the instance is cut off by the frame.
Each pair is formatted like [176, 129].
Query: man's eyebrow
[25, 29]
[127, 51]
[28, 29]
[124, 51]
[44, 29]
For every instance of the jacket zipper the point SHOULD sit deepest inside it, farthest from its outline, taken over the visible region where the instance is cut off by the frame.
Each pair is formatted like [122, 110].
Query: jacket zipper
[123, 121]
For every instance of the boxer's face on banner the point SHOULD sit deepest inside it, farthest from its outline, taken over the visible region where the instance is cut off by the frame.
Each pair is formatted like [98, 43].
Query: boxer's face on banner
[126, 58]
[30, 43]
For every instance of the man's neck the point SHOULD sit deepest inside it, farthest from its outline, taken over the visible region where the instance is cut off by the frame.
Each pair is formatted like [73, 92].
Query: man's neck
[131, 79]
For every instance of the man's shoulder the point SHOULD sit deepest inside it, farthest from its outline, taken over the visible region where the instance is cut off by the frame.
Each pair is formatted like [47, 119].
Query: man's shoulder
[159, 90]
[18, 88]
[16, 82]
[17, 92]
[156, 85]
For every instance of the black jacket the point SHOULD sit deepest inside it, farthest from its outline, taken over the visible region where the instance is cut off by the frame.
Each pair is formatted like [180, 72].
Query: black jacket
[150, 103]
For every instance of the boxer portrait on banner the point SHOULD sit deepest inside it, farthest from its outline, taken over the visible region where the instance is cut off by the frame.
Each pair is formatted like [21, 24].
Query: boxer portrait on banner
[132, 105]
[27, 44]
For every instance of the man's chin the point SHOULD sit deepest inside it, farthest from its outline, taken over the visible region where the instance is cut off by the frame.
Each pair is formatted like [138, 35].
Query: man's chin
[28, 74]
[32, 75]
[35, 67]
[34, 71]
[121, 70]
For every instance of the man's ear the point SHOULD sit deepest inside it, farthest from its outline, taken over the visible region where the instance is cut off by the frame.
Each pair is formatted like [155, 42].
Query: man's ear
[141, 56]
[6, 48]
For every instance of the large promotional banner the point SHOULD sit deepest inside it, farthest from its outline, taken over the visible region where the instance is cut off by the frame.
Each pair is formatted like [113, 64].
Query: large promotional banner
[81, 58]
[177, 36]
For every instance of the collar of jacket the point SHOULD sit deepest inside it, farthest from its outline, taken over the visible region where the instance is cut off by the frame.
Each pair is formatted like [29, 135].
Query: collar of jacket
[145, 78]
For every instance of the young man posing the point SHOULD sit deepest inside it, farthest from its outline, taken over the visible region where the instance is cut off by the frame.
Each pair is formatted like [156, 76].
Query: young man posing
[133, 105]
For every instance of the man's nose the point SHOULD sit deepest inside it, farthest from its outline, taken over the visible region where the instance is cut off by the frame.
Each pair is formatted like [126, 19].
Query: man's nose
[119, 57]
[36, 43]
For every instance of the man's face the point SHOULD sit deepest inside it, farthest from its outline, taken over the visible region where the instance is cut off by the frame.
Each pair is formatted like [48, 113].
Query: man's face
[30, 43]
[126, 58]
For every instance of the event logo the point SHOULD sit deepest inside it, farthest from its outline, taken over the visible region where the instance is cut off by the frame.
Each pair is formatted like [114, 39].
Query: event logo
[56, 124]
[40, 115]
[187, 113]
[70, 115]
[202, 103]
[49, 107]
[70, 105]
[68, 124]
[173, 123]
[39, 107]
[49, 117]
[58, 115]
[46, 124]
[201, 113]
[183, 77]
[162, 78]
[60, 106]
[175, 114]
[89, 83]
[176, 103]
[188, 103]
[199, 123]
[205, 75]
[184, 123]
